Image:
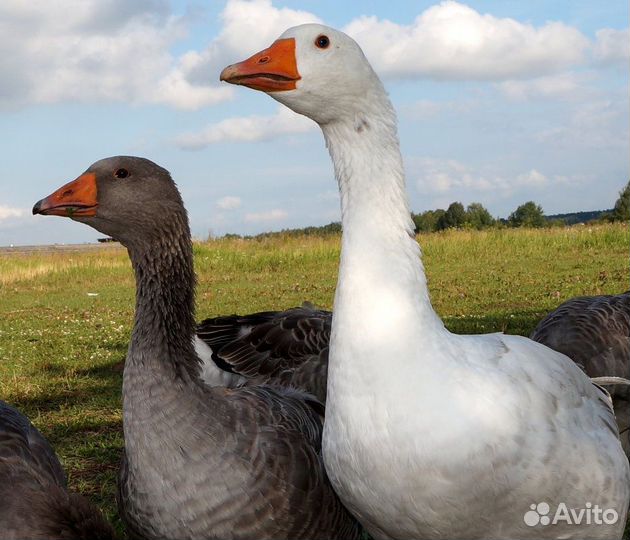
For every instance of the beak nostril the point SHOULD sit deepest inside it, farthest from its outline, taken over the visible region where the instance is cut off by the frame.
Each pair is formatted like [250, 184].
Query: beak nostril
[67, 193]
[263, 59]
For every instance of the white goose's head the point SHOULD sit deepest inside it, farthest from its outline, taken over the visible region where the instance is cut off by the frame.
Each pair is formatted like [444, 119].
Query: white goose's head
[314, 70]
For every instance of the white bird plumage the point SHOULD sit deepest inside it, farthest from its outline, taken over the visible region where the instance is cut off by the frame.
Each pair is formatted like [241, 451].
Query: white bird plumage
[429, 434]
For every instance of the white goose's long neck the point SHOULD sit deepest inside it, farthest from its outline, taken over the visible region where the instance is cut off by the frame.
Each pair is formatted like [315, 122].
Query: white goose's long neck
[382, 306]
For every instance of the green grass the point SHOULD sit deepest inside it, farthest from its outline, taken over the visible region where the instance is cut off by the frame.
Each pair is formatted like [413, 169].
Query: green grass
[62, 349]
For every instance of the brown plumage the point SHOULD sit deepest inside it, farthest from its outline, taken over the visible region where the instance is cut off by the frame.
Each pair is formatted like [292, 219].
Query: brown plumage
[287, 348]
[35, 503]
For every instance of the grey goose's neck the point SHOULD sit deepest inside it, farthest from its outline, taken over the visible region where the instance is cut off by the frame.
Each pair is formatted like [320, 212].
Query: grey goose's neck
[164, 322]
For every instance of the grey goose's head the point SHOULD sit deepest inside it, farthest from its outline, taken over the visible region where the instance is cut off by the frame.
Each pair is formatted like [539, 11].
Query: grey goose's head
[125, 197]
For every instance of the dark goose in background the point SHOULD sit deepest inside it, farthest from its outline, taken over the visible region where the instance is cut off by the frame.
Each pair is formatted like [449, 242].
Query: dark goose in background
[35, 503]
[200, 461]
[287, 348]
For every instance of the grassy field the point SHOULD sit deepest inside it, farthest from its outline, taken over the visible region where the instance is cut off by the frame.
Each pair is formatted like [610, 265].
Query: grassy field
[65, 318]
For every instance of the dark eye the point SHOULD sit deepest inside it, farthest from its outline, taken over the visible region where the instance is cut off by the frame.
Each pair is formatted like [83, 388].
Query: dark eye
[322, 42]
[121, 173]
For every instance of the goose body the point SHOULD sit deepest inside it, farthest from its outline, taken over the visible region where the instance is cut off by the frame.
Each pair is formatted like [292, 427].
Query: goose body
[285, 348]
[429, 434]
[35, 501]
[200, 461]
[594, 331]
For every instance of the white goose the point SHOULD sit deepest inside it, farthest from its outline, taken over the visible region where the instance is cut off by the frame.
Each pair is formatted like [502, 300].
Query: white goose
[429, 434]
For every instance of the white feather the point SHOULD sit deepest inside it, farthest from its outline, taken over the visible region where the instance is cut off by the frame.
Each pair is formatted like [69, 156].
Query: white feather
[211, 374]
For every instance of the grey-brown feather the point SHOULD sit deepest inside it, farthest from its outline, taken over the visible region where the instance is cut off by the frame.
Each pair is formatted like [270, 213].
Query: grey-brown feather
[35, 501]
[248, 465]
[594, 331]
[287, 348]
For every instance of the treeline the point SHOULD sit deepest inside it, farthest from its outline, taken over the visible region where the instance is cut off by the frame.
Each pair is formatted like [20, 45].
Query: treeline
[621, 211]
[574, 218]
[324, 230]
[476, 216]
[529, 214]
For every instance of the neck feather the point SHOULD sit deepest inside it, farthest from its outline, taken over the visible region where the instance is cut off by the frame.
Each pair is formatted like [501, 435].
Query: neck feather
[382, 288]
[164, 323]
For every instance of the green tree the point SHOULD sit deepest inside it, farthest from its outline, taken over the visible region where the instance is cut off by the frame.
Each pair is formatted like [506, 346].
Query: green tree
[455, 216]
[427, 221]
[621, 212]
[529, 214]
[478, 217]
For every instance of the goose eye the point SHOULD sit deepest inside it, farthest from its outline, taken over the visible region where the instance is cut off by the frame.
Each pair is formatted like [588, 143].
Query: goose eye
[322, 42]
[121, 173]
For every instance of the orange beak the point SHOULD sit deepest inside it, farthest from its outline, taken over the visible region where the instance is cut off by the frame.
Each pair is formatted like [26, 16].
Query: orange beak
[271, 70]
[75, 199]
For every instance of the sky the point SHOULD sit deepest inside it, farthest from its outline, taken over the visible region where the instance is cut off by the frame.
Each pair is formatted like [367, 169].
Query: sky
[499, 102]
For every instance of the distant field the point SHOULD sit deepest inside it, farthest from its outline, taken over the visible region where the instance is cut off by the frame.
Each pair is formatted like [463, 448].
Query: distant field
[65, 318]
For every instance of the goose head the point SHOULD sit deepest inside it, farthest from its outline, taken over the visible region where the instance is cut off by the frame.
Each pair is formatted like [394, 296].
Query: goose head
[124, 197]
[314, 70]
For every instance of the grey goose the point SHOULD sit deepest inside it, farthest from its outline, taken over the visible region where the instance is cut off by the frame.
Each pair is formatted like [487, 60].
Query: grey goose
[199, 461]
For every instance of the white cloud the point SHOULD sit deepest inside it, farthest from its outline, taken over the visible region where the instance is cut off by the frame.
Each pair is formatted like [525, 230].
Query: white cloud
[264, 217]
[612, 46]
[7, 212]
[601, 124]
[175, 90]
[247, 129]
[94, 51]
[564, 86]
[229, 203]
[453, 41]
[438, 176]
[531, 178]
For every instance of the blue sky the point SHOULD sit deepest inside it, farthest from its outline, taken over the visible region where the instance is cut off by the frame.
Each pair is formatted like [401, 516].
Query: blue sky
[499, 102]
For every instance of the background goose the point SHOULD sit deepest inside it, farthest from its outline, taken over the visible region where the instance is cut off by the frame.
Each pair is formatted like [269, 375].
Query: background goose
[200, 462]
[286, 348]
[430, 434]
[594, 331]
[35, 502]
